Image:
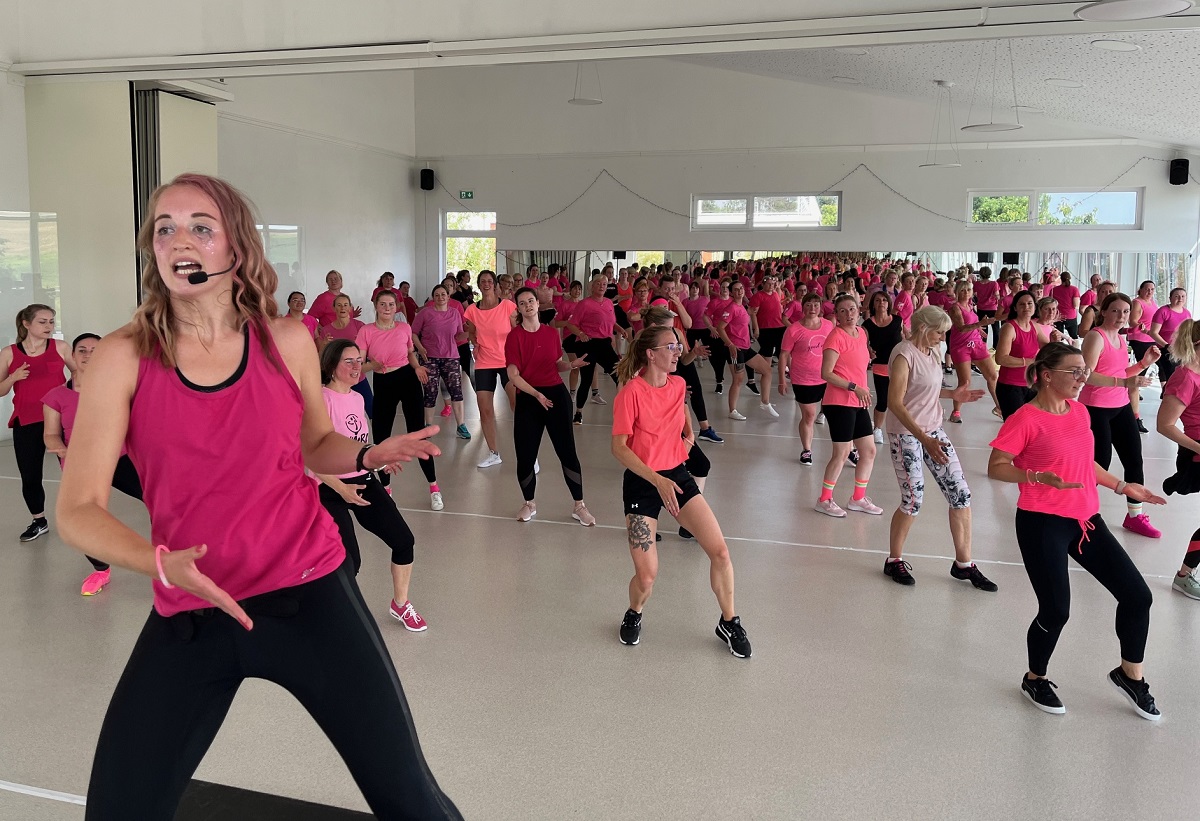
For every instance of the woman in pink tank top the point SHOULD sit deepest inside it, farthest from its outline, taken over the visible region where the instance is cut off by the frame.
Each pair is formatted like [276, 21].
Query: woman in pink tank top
[967, 346]
[1141, 314]
[220, 404]
[1015, 351]
[1106, 396]
[32, 367]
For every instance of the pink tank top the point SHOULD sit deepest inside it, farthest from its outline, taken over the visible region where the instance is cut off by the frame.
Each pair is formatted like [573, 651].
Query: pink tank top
[961, 341]
[1024, 346]
[45, 373]
[1138, 332]
[1113, 361]
[222, 466]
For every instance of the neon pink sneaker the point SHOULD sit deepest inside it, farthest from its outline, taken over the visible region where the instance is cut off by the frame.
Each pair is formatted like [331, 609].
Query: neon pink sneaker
[446, 411]
[408, 616]
[1140, 524]
[94, 583]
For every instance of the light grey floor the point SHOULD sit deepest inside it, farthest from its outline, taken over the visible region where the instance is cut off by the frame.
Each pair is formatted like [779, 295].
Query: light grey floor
[863, 699]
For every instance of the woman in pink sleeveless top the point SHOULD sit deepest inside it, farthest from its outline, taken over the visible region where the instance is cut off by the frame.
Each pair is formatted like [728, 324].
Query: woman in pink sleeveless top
[220, 404]
[32, 367]
[1141, 315]
[1016, 350]
[1106, 396]
[967, 346]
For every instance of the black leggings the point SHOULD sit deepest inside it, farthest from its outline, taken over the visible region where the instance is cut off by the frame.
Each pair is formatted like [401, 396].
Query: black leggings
[994, 328]
[379, 517]
[1045, 541]
[1117, 428]
[1011, 398]
[400, 388]
[464, 362]
[125, 479]
[530, 420]
[719, 357]
[696, 393]
[881, 391]
[316, 640]
[30, 450]
[598, 352]
[1166, 366]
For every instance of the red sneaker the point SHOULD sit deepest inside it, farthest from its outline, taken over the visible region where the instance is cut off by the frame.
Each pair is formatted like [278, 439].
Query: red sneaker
[446, 411]
[408, 616]
[94, 583]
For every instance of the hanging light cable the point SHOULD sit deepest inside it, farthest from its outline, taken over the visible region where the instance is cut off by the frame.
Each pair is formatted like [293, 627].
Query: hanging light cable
[991, 124]
[586, 93]
[944, 103]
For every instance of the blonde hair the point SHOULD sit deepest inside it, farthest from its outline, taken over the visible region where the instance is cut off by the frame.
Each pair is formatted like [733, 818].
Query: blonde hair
[156, 324]
[636, 358]
[929, 318]
[1184, 344]
[27, 314]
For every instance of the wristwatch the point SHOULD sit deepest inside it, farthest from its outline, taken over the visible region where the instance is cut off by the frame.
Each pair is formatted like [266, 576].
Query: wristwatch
[850, 386]
[358, 463]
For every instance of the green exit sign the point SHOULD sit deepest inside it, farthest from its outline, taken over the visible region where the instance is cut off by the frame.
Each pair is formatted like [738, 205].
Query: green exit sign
[466, 195]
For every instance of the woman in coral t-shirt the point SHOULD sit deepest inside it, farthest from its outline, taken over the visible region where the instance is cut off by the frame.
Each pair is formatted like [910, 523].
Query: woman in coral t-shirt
[653, 439]
[1045, 448]
[800, 359]
[489, 323]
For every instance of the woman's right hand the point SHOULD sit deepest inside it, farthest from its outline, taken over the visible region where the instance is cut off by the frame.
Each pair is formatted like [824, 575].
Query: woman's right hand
[403, 448]
[666, 491]
[936, 449]
[783, 388]
[543, 401]
[1046, 477]
[351, 494]
[179, 568]
[22, 372]
[864, 395]
[60, 452]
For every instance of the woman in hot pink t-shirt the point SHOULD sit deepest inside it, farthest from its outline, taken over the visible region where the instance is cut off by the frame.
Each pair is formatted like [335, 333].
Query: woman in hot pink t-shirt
[733, 326]
[1045, 449]
[1181, 403]
[1162, 329]
[800, 359]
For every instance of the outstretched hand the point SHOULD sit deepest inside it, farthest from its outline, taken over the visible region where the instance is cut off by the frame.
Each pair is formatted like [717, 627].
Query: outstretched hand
[1141, 493]
[403, 448]
[179, 568]
[1047, 477]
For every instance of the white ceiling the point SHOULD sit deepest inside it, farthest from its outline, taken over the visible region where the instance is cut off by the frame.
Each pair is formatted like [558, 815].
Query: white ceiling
[1152, 93]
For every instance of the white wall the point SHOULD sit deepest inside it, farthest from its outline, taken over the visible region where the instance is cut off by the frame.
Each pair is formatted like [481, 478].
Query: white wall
[187, 136]
[14, 171]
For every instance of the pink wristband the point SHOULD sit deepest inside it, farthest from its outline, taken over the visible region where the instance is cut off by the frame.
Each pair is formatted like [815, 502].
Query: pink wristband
[162, 577]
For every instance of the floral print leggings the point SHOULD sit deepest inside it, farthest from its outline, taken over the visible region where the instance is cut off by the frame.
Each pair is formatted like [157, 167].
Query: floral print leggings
[907, 458]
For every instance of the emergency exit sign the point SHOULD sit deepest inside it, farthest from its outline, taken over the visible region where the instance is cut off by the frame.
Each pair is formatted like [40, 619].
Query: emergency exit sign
[466, 195]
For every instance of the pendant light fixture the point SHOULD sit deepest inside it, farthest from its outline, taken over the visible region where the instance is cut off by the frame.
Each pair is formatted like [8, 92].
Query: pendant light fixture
[1113, 11]
[992, 124]
[931, 154]
[587, 85]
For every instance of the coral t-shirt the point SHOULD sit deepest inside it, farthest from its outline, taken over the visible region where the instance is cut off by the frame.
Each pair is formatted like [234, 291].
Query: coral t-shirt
[386, 347]
[1184, 385]
[536, 355]
[653, 420]
[805, 346]
[1064, 445]
[491, 329]
[851, 365]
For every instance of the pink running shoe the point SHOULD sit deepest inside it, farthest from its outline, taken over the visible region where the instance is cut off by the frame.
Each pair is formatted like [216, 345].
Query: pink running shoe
[408, 616]
[1140, 524]
[94, 583]
[446, 411]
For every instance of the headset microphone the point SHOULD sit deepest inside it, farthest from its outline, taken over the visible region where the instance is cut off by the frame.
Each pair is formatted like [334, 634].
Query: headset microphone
[201, 277]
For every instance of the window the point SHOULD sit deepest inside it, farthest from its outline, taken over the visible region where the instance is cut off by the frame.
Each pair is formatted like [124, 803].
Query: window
[283, 248]
[470, 241]
[1057, 209]
[471, 221]
[766, 212]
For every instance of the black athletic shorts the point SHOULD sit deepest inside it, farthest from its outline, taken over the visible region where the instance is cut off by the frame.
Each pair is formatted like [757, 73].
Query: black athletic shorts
[809, 394]
[846, 423]
[546, 315]
[769, 340]
[641, 498]
[485, 379]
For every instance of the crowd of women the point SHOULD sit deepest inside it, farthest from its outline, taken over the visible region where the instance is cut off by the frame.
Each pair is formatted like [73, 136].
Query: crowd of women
[864, 346]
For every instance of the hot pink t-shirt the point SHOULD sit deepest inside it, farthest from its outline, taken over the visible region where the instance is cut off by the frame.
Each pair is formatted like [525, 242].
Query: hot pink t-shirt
[438, 331]
[1066, 296]
[1061, 444]
[1184, 385]
[389, 348]
[851, 365]
[987, 294]
[492, 327]
[348, 413]
[804, 346]
[1170, 321]
[738, 327]
[66, 402]
[770, 309]
[695, 308]
[595, 317]
[1113, 361]
[322, 307]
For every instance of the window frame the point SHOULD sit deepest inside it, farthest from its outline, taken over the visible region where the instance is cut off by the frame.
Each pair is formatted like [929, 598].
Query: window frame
[1035, 194]
[748, 223]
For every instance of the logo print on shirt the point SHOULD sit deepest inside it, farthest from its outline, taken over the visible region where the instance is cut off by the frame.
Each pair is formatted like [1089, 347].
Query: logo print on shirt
[358, 430]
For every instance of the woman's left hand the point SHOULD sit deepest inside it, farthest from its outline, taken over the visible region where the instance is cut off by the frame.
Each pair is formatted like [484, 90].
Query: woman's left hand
[1151, 356]
[1141, 493]
[543, 401]
[422, 374]
[403, 448]
[964, 393]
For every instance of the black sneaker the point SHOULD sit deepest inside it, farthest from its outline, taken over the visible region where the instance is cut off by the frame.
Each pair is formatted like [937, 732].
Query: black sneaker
[720, 389]
[631, 628]
[974, 576]
[38, 527]
[578, 420]
[733, 634]
[753, 386]
[900, 572]
[853, 457]
[806, 457]
[1141, 426]
[709, 435]
[1041, 692]
[1138, 694]
[684, 533]
[658, 537]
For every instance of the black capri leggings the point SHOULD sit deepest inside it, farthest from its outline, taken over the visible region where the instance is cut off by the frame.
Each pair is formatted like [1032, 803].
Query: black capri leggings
[1117, 428]
[692, 377]
[1011, 398]
[316, 640]
[400, 388]
[697, 335]
[1045, 541]
[598, 352]
[465, 361]
[379, 517]
[1166, 366]
[718, 356]
[125, 479]
[30, 449]
[530, 420]
[881, 391]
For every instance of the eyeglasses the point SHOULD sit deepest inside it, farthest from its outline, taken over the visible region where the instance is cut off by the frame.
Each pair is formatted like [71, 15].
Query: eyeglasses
[1078, 374]
[352, 362]
[673, 347]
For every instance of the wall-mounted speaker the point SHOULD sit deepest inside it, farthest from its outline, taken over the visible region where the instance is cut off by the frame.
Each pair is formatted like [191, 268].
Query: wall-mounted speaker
[1179, 172]
[618, 255]
[985, 257]
[1011, 258]
[426, 179]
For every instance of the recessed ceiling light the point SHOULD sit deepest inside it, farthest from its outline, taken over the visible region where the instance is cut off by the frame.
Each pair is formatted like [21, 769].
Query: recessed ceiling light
[857, 52]
[847, 80]
[1063, 82]
[1029, 109]
[1108, 11]
[1116, 45]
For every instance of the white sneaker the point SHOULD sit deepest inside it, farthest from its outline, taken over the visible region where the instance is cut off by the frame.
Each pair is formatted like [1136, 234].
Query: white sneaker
[820, 419]
[537, 467]
[435, 500]
[769, 409]
[733, 414]
[598, 399]
[491, 460]
[879, 436]
[830, 508]
[527, 512]
[864, 505]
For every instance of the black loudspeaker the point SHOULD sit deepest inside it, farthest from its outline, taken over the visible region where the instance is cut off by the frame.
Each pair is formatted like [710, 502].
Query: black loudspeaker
[985, 257]
[618, 255]
[1179, 172]
[426, 179]
[1011, 259]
